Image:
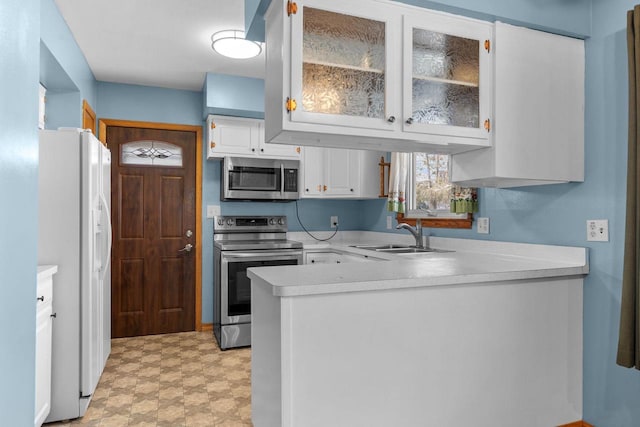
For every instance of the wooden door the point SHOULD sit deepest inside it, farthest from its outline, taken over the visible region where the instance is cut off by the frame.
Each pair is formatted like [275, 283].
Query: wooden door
[153, 209]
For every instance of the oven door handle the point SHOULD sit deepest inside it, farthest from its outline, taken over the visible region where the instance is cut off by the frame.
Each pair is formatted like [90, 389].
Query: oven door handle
[275, 254]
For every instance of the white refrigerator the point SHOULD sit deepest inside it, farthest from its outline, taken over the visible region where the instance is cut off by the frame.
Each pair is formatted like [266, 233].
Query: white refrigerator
[74, 233]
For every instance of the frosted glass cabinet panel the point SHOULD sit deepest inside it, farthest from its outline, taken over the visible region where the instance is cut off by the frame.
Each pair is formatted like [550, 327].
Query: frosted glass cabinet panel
[340, 65]
[446, 76]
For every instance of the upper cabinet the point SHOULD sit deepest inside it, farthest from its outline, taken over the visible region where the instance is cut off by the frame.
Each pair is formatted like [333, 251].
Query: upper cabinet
[238, 136]
[446, 76]
[336, 173]
[538, 131]
[376, 75]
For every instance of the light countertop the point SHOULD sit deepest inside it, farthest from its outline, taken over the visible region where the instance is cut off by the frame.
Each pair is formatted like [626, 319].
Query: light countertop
[471, 261]
[45, 271]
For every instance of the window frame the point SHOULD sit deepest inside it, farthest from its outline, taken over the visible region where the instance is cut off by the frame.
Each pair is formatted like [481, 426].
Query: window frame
[447, 220]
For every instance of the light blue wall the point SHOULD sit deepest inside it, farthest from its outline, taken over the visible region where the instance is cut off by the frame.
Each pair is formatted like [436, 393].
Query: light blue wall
[19, 41]
[148, 104]
[57, 37]
[237, 96]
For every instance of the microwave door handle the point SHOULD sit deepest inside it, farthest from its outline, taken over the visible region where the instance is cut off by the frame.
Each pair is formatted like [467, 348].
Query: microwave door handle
[281, 178]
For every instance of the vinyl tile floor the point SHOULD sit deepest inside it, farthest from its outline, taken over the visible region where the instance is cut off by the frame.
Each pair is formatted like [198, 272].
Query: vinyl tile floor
[171, 380]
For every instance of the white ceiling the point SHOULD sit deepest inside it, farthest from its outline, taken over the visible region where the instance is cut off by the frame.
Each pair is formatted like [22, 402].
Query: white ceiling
[164, 43]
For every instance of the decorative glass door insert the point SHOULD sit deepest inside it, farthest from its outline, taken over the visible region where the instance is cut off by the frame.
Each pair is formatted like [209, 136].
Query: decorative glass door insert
[340, 76]
[445, 80]
[447, 76]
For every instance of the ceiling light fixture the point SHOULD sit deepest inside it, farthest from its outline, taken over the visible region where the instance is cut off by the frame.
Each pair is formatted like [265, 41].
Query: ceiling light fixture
[232, 44]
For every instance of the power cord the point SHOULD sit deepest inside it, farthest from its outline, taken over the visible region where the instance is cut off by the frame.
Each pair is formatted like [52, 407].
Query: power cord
[308, 232]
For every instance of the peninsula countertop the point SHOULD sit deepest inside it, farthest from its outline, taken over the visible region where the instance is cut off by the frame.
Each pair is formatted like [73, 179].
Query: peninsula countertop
[464, 262]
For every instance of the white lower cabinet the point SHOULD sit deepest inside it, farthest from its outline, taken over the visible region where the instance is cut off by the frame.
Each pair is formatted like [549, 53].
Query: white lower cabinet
[44, 330]
[334, 257]
[340, 173]
[240, 136]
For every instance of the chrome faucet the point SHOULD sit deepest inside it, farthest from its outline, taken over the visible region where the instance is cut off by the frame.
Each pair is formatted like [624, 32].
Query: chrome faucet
[417, 232]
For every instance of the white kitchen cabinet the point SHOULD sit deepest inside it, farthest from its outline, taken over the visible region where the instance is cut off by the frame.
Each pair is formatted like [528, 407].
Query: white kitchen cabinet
[340, 173]
[538, 131]
[334, 257]
[378, 75]
[44, 330]
[238, 136]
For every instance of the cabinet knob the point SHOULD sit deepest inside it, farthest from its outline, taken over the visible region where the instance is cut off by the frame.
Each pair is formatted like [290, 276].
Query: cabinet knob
[391, 119]
[262, 149]
[409, 120]
[313, 261]
[253, 149]
[41, 298]
[306, 189]
[54, 315]
[324, 188]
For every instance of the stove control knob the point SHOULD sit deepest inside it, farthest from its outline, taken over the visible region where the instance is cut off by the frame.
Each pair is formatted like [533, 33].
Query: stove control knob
[272, 221]
[230, 221]
[220, 221]
[281, 221]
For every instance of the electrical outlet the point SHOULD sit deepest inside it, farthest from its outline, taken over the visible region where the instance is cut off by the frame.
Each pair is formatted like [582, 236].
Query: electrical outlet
[598, 230]
[334, 221]
[483, 225]
[389, 222]
[213, 210]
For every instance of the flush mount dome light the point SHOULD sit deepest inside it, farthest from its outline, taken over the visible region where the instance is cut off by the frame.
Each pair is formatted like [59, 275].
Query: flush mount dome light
[232, 44]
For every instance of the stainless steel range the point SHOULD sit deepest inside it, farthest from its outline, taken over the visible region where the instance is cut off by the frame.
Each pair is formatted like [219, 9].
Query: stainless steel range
[242, 242]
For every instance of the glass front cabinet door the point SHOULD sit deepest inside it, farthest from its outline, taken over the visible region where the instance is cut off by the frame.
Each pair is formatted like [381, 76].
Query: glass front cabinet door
[342, 59]
[446, 75]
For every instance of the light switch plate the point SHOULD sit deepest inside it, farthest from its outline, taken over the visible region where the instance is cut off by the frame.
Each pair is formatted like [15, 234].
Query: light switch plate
[483, 225]
[213, 210]
[598, 230]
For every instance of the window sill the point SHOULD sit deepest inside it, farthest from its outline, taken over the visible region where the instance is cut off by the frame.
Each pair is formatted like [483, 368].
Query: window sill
[439, 222]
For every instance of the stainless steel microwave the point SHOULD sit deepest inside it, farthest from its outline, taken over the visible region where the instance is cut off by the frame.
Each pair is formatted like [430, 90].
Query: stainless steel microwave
[259, 179]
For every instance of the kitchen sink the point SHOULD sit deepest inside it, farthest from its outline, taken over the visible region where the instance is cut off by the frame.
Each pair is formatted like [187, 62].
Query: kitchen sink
[397, 249]
[381, 247]
[405, 250]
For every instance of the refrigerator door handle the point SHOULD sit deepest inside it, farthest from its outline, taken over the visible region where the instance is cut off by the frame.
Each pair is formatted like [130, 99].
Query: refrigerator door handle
[109, 236]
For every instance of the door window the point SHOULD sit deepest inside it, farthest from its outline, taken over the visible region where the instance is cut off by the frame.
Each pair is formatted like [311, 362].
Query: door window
[150, 153]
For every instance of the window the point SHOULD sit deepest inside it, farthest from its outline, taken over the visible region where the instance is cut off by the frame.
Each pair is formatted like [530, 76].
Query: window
[429, 193]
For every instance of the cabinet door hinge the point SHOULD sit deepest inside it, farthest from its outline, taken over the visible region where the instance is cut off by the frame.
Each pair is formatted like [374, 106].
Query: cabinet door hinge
[487, 45]
[487, 125]
[290, 104]
[292, 8]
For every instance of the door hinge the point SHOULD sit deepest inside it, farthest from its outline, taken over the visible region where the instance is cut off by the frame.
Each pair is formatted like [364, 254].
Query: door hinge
[290, 104]
[213, 125]
[292, 8]
[487, 125]
[487, 45]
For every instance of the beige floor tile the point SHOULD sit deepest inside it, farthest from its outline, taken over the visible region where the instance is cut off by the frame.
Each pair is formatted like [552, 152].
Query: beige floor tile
[171, 380]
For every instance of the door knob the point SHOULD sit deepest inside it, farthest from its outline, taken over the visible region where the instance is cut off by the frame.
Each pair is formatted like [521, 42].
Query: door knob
[187, 248]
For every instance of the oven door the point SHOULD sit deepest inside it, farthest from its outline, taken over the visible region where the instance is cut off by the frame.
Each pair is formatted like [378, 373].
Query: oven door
[235, 301]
